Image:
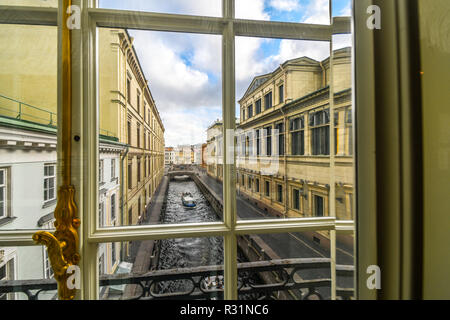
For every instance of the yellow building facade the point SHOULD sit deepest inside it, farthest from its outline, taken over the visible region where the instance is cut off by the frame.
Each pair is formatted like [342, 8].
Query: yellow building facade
[128, 110]
[284, 143]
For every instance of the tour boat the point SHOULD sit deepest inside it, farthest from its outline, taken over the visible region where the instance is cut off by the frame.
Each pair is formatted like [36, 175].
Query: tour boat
[188, 200]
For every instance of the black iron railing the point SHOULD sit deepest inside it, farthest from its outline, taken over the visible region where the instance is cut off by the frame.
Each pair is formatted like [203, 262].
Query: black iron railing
[275, 279]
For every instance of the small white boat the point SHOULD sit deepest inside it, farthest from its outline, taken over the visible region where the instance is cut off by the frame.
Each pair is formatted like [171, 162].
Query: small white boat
[188, 200]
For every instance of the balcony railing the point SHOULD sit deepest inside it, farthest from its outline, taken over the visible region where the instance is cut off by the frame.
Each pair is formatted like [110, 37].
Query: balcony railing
[23, 111]
[275, 279]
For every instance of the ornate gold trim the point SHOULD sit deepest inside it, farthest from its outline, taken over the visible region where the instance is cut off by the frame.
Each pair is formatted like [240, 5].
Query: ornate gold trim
[62, 246]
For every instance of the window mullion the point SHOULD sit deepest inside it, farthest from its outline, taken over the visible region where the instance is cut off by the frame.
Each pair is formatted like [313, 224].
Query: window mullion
[86, 169]
[229, 127]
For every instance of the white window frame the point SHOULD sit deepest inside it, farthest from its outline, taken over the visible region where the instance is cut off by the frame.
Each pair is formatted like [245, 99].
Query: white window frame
[4, 190]
[48, 178]
[113, 169]
[101, 171]
[84, 96]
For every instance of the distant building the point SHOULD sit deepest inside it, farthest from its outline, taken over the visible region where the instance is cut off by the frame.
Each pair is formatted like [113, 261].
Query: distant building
[169, 156]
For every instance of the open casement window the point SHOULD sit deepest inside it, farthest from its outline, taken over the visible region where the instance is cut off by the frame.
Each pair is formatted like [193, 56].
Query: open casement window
[321, 209]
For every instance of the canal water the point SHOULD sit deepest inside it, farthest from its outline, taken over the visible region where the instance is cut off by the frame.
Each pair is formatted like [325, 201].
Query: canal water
[190, 252]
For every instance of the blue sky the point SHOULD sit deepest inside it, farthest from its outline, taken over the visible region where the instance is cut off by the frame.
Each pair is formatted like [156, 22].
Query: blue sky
[184, 70]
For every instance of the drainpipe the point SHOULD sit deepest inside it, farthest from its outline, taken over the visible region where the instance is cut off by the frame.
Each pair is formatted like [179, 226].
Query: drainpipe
[286, 198]
[122, 184]
[285, 146]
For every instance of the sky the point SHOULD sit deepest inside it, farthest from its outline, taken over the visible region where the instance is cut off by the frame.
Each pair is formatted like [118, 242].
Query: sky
[184, 70]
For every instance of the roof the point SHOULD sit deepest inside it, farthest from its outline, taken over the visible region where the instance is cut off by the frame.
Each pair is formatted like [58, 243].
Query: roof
[258, 81]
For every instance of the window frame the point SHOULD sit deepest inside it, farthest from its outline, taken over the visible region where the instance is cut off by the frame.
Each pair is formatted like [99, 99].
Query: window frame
[48, 178]
[84, 89]
[4, 188]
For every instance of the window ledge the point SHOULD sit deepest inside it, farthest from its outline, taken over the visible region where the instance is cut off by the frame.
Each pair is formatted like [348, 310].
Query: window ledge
[49, 203]
[6, 220]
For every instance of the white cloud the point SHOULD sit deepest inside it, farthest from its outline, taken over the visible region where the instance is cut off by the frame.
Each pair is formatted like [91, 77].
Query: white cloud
[317, 12]
[285, 5]
[251, 9]
[290, 49]
[347, 10]
[186, 127]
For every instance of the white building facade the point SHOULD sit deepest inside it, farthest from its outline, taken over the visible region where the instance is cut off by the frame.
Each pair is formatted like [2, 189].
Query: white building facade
[28, 191]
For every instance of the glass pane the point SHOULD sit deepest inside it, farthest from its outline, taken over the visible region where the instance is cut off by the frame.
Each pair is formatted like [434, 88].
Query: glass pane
[30, 3]
[283, 147]
[159, 93]
[341, 8]
[197, 7]
[285, 260]
[345, 261]
[28, 122]
[180, 259]
[21, 264]
[304, 11]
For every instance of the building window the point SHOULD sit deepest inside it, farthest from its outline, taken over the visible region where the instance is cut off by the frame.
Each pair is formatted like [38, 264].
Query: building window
[279, 193]
[129, 91]
[349, 130]
[113, 254]
[249, 183]
[247, 145]
[318, 206]
[138, 101]
[319, 123]
[281, 94]
[139, 207]
[138, 133]
[48, 271]
[268, 101]
[49, 182]
[296, 199]
[258, 142]
[297, 129]
[113, 169]
[257, 185]
[139, 169]
[101, 214]
[113, 207]
[129, 131]
[130, 174]
[3, 193]
[267, 188]
[145, 112]
[268, 131]
[130, 216]
[243, 180]
[101, 264]
[145, 139]
[101, 170]
[258, 107]
[250, 111]
[280, 129]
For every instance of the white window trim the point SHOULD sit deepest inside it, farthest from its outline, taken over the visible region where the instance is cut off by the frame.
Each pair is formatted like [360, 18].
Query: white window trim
[53, 177]
[4, 214]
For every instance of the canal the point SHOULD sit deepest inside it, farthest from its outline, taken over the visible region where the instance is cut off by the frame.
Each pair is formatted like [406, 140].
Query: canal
[187, 252]
[190, 252]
